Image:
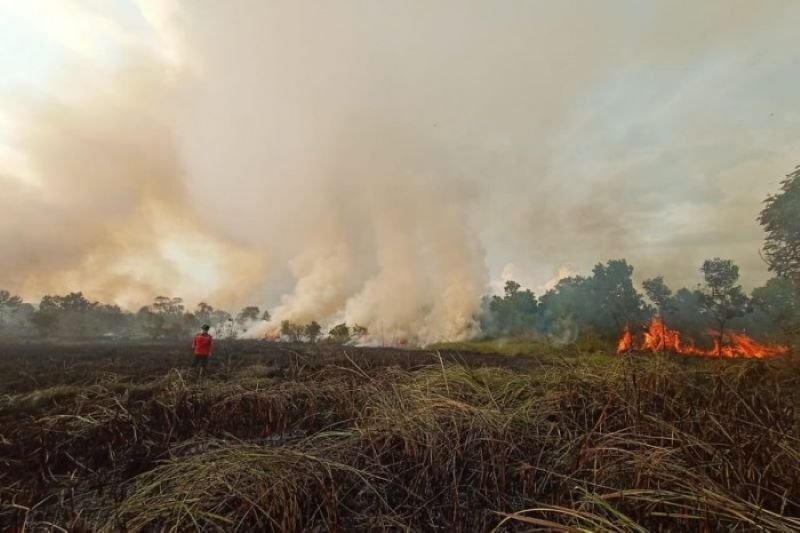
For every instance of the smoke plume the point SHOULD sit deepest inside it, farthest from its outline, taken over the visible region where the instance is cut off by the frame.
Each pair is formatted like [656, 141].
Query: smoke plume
[378, 163]
[101, 206]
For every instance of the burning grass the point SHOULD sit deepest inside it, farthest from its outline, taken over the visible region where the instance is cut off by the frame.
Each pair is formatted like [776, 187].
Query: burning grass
[352, 443]
[657, 337]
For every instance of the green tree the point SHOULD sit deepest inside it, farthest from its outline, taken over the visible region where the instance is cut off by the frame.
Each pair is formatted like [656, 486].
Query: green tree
[614, 297]
[781, 220]
[597, 306]
[565, 306]
[685, 313]
[658, 293]
[779, 301]
[722, 296]
[515, 312]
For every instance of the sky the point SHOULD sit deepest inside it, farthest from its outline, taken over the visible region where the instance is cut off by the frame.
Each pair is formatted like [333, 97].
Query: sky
[394, 159]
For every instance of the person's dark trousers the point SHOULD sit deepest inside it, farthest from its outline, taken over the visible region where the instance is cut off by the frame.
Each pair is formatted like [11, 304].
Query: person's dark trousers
[202, 362]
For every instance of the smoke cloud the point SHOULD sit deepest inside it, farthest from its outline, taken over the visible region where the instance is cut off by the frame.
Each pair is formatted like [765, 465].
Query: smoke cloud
[379, 163]
[101, 206]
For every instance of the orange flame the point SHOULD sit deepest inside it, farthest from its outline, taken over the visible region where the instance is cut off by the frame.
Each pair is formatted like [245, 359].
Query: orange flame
[659, 338]
[625, 343]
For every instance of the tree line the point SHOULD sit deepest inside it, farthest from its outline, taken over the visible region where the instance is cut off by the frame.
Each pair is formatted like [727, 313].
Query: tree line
[600, 304]
[73, 316]
[605, 302]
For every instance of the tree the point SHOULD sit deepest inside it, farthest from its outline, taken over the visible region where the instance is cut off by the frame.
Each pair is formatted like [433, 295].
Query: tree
[721, 296]
[75, 314]
[312, 331]
[512, 314]
[9, 305]
[7, 299]
[340, 333]
[206, 314]
[291, 330]
[658, 293]
[203, 313]
[781, 220]
[44, 321]
[565, 305]
[685, 313]
[615, 299]
[165, 305]
[248, 314]
[265, 316]
[166, 318]
[219, 316]
[597, 306]
[511, 288]
[150, 323]
[107, 319]
[779, 301]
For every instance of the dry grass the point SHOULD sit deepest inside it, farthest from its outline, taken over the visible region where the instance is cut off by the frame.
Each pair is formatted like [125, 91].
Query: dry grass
[642, 444]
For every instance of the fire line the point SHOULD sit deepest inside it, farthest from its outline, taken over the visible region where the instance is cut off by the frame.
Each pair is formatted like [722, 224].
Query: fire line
[659, 338]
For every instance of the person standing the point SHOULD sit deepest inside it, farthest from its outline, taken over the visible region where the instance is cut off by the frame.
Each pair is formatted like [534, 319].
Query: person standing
[201, 346]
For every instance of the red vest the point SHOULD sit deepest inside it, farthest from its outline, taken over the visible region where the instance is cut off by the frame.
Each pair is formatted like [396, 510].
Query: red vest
[202, 344]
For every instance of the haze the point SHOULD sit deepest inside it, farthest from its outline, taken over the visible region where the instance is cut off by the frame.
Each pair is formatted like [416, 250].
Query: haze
[385, 162]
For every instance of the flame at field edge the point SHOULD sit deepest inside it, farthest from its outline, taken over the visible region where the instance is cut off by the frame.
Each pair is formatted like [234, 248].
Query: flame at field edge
[659, 338]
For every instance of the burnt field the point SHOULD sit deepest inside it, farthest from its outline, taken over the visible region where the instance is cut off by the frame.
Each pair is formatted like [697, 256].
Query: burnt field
[325, 438]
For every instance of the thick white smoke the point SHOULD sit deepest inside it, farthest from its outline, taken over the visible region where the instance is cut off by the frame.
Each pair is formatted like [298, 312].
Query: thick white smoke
[374, 162]
[398, 254]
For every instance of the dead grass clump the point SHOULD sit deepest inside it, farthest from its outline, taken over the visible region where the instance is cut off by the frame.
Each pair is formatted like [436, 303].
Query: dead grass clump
[665, 448]
[256, 370]
[306, 406]
[47, 397]
[240, 488]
